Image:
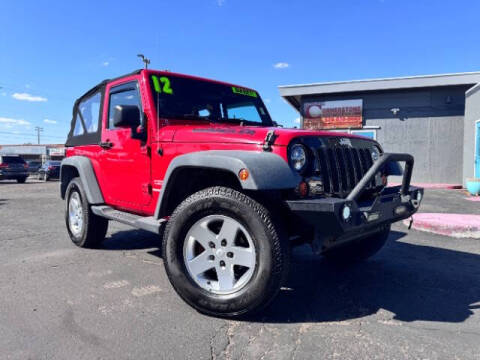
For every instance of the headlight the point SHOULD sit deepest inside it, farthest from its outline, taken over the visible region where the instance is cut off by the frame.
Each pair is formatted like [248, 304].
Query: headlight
[375, 153]
[298, 157]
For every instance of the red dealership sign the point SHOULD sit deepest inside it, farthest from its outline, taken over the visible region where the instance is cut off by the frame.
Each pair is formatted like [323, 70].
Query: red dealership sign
[339, 114]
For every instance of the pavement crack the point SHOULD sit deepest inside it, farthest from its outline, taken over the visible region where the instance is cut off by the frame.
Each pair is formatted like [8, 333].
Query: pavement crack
[232, 326]
[213, 353]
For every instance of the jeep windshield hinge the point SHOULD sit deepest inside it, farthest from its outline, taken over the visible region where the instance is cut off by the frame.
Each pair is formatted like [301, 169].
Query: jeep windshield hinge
[269, 140]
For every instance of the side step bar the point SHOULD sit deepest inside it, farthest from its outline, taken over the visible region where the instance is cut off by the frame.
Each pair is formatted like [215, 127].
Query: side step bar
[148, 223]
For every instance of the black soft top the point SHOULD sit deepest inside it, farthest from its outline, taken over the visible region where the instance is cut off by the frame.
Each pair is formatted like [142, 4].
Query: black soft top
[93, 137]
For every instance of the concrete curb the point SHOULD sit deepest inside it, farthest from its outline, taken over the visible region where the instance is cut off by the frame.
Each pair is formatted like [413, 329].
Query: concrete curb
[454, 225]
[434, 186]
[473, 198]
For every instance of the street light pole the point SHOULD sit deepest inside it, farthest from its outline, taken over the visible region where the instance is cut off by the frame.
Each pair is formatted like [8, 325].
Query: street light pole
[38, 130]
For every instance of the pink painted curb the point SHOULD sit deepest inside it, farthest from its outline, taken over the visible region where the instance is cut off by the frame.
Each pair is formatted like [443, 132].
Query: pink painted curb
[433, 186]
[454, 225]
[473, 198]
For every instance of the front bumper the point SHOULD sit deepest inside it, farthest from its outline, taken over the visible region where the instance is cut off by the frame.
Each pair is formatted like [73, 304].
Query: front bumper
[327, 215]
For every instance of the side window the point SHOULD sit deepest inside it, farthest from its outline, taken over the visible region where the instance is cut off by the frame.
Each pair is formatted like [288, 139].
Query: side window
[243, 111]
[89, 110]
[78, 130]
[125, 94]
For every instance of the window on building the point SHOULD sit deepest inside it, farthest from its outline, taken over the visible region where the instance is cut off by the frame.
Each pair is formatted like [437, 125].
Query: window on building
[372, 134]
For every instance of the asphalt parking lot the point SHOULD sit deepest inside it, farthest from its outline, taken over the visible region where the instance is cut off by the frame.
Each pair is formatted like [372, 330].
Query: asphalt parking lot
[419, 298]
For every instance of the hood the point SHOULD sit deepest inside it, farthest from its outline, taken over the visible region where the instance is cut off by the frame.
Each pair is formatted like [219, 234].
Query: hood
[226, 133]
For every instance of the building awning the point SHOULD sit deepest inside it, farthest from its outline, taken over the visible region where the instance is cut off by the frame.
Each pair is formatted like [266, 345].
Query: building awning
[293, 93]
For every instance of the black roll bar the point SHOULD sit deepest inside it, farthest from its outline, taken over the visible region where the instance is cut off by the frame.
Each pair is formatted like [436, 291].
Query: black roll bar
[383, 160]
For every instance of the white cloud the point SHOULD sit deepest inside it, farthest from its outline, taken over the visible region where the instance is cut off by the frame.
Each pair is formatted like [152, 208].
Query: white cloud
[281, 65]
[28, 97]
[220, 2]
[106, 63]
[297, 120]
[48, 121]
[8, 122]
[267, 101]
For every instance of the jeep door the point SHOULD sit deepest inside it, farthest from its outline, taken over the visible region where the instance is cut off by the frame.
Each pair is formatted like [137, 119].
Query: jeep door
[125, 162]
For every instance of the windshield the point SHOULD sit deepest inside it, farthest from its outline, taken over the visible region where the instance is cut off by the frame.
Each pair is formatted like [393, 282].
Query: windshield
[178, 97]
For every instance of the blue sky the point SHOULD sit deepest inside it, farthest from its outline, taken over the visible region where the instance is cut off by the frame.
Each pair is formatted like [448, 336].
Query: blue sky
[53, 51]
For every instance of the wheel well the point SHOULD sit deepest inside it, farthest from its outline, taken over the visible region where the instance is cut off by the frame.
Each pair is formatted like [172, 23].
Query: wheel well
[67, 173]
[188, 180]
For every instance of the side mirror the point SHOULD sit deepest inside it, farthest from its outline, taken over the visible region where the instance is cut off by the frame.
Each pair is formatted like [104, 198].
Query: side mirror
[127, 116]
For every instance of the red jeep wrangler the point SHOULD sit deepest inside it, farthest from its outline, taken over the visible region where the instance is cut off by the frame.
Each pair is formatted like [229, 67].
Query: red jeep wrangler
[202, 162]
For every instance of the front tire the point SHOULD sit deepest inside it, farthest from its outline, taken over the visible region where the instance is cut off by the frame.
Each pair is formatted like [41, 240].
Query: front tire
[21, 180]
[359, 250]
[223, 253]
[85, 229]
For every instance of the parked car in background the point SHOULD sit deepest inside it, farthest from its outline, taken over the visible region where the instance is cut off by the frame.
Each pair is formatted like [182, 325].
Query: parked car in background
[13, 167]
[33, 166]
[49, 170]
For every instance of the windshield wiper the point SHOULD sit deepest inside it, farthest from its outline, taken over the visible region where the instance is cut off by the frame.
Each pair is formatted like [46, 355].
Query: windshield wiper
[191, 117]
[244, 121]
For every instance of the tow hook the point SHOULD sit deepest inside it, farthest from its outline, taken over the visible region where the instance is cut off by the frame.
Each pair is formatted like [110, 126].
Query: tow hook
[410, 223]
[269, 140]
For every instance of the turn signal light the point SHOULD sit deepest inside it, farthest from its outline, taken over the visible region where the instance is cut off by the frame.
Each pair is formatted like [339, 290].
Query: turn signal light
[384, 180]
[243, 174]
[303, 189]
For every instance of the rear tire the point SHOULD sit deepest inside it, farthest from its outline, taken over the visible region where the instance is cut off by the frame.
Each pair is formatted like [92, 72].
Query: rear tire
[360, 249]
[257, 242]
[85, 229]
[21, 180]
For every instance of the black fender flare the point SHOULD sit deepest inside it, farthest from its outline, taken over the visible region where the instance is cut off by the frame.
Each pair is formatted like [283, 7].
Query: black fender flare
[268, 171]
[85, 170]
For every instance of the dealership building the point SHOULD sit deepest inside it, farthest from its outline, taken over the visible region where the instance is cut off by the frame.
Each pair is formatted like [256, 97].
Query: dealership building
[436, 118]
[35, 152]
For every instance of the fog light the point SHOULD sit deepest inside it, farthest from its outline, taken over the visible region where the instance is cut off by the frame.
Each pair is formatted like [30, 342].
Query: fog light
[346, 212]
[419, 196]
[399, 210]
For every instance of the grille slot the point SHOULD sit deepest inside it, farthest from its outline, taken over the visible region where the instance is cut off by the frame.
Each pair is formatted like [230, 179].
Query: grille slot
[342, 168]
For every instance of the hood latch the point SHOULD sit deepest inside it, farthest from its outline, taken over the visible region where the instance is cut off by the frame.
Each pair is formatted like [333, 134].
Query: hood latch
[269, 140]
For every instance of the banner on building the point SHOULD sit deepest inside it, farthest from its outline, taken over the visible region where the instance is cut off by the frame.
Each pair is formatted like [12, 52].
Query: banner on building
[56, 151]
[339, 114]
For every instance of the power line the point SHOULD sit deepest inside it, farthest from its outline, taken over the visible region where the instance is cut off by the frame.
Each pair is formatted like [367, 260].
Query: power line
[27, 134]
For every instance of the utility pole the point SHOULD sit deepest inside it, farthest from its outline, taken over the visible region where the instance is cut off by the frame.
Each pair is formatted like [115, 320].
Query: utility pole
[38, 130]
[145, 60]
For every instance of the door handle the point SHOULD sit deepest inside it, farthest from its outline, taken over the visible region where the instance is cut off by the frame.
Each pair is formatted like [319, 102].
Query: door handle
[106, 145]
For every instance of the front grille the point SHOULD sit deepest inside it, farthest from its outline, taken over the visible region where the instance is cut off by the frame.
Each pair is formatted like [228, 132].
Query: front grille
[342, 168]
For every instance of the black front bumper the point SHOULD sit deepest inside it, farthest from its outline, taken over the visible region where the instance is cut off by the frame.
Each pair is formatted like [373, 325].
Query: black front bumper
[326, 215]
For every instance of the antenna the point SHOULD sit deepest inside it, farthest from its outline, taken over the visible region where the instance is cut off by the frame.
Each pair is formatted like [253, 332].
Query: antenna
[145, 60]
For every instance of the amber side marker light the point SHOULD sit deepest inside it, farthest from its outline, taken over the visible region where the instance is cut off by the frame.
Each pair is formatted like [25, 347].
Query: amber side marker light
[243, 174]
